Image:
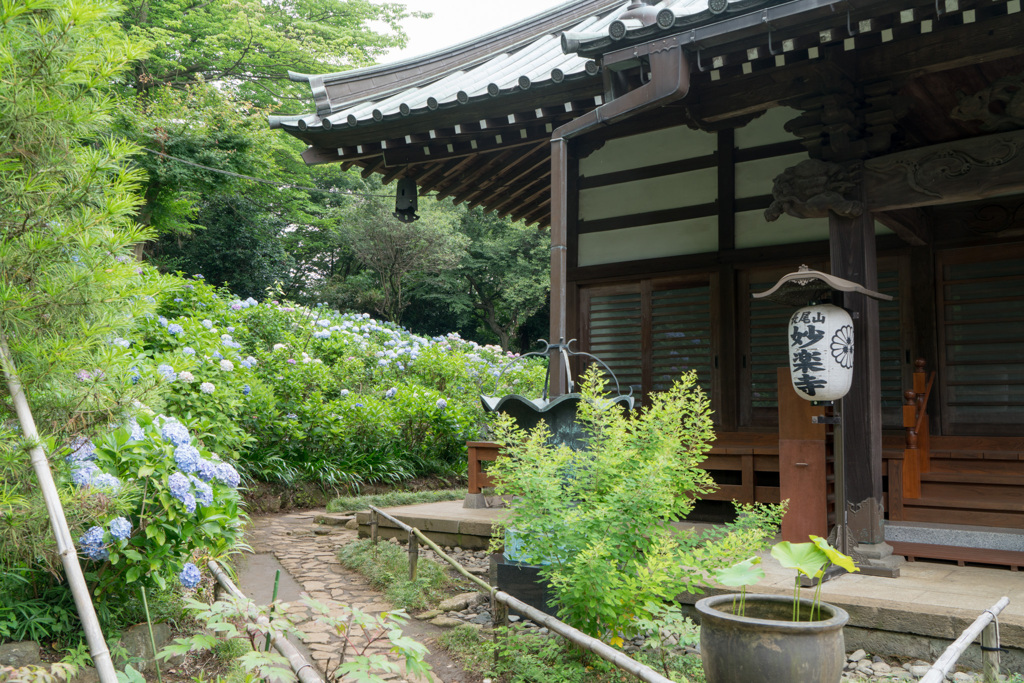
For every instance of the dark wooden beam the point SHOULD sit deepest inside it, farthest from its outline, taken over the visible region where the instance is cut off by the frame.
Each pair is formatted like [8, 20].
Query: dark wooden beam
[946, 47]
[911, 225]
[953, 172]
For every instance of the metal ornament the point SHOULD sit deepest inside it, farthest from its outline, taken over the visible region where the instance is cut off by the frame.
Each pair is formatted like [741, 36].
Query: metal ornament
[821, 352]
[406, 201]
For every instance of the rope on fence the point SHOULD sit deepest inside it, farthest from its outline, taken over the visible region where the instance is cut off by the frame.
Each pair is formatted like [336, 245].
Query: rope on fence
[602, 650]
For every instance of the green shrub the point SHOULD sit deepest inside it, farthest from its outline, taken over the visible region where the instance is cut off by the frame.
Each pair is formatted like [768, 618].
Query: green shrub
[599, 521]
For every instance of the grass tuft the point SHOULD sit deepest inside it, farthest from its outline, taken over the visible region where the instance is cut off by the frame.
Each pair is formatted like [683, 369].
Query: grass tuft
[386, 567]
[392, 499]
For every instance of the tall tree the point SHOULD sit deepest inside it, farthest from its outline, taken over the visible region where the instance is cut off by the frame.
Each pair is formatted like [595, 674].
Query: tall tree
[401, 254]
[503, 278]
[248, 46]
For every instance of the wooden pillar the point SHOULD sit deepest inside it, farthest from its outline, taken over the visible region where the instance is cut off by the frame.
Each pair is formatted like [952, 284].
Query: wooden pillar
[560, 188]
[852, 244]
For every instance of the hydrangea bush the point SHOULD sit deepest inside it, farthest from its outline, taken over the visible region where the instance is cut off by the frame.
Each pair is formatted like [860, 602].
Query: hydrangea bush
[182, 500]
[299, 393]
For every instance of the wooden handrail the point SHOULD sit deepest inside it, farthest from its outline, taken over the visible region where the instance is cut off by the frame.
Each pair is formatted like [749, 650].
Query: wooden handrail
[922, 401]
[916, 455]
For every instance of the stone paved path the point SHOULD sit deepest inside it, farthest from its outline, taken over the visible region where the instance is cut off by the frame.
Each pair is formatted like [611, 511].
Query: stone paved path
[308, 552]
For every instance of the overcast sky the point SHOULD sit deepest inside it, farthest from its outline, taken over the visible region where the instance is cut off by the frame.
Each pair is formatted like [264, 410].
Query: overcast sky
[456, 21]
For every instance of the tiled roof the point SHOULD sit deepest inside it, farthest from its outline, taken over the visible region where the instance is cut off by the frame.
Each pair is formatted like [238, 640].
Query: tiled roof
[539, 51]
[522, 56]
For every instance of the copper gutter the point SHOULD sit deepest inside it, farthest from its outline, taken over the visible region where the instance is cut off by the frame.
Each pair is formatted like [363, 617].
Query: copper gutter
[669, 81]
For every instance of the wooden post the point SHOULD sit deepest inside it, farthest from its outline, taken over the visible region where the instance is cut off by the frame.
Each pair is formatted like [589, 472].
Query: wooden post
[414, 555]
[852, 244]
[990, 652]
[802, 477]
[373, 526]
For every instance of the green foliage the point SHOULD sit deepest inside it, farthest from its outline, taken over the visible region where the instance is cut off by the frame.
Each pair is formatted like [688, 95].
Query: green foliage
[386, 567]
[517, 655]
[247, 46]
[393, 499]
[667, 629]
[599, 521]
[503, 277]
[68, 193]
[360, 660]
[58, 671]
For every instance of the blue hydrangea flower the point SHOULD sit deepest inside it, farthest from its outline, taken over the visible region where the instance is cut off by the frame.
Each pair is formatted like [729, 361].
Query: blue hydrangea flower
[175, 328]
[123, 343]
[134, 375]
[92, 544]
[208, 323]
[188, 351]
[218, 355]
[167, 371]
[231, 328]
[322, 334]
[190, 502]
[120, 528]
[162, 320]
[82, 449]
[102, 480]
[137, 432]
[82, 475]
[226, 474]
[189, 576]
[186, 457]
[175, 432]
[390, 393]
[227, 366]
[206, 470]
[203, 491]
[441, 404]
[179, 486]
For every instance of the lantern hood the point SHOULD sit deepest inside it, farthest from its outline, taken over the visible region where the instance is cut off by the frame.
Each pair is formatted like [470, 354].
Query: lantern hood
[807, 285]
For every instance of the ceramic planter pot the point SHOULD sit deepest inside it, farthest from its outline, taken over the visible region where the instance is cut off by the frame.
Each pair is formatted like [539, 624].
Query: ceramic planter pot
[765, 646]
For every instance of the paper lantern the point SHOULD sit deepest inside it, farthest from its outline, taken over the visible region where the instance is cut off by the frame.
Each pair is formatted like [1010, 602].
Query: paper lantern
[821, 352]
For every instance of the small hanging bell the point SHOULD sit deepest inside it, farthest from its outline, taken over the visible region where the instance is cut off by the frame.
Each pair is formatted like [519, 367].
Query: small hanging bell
[406, 201]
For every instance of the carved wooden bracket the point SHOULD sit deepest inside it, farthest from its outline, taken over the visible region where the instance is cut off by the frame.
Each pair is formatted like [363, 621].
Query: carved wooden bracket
[999, 107]
[849, 122]
[952, 172]
[812, 188]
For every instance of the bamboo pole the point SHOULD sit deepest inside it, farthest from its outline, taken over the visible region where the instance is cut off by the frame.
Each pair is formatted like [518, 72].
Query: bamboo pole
[941, 667]
[303, 669]
[58, 523]
[602, 650]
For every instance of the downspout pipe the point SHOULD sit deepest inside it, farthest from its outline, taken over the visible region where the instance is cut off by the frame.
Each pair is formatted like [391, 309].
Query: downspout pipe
[669, 81]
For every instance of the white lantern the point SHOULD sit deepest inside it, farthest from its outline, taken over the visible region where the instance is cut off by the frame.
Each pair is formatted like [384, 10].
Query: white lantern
[821, 352]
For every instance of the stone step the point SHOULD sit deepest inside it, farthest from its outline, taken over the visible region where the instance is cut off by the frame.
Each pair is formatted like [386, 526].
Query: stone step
[958, 535]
